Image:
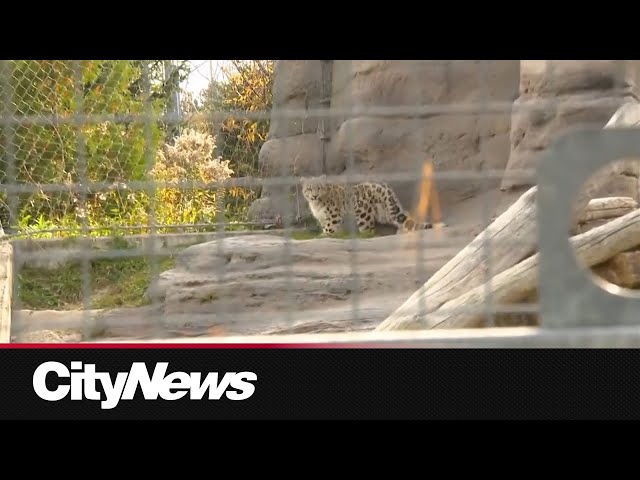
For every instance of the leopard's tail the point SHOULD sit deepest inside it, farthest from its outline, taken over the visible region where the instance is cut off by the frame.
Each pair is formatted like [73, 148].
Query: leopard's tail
[411, 225]
[394, 209]
[401, 218]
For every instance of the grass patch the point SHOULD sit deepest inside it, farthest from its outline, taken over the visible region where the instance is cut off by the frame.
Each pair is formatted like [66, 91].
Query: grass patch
[304, 235]
[116, 282]
[212, 297]
[308, 235]
[119, 282]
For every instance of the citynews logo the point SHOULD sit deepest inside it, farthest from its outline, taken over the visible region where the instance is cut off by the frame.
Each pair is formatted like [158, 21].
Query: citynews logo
[176, 385]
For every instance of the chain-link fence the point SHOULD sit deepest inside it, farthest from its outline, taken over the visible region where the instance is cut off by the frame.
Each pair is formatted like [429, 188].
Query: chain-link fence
[186, 200]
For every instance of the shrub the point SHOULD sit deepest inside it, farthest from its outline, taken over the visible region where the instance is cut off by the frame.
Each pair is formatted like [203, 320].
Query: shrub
[190, 158]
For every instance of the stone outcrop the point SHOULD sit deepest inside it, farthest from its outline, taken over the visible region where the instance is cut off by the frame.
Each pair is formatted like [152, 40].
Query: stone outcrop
[622, 270]
[275, 273]
[295, 144]
[255, 283]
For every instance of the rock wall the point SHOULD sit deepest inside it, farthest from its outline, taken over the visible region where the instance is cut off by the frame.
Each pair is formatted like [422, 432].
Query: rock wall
[295, 145]
[403, 140]
[376, 145]
[403, 133]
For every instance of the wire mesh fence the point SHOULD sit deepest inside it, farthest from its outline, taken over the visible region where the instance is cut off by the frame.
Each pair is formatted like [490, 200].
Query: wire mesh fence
[154, 199]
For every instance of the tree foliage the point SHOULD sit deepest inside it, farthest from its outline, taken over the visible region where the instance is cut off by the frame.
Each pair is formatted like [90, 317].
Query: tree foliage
[64, 152]
[246, 89]
[190, 158]
[56, 149]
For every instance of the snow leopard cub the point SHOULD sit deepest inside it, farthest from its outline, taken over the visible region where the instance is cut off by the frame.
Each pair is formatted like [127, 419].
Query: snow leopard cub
[371, 202]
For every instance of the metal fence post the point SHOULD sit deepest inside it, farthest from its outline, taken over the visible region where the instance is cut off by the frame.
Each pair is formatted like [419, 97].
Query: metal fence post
[567, 296]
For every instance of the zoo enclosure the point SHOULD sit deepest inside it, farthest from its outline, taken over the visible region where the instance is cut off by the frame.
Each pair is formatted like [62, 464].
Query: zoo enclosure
[103, 155]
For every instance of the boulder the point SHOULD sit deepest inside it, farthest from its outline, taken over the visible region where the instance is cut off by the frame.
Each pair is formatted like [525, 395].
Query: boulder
[296, 79]
[295, 156]
[297, 85]
[622, 270]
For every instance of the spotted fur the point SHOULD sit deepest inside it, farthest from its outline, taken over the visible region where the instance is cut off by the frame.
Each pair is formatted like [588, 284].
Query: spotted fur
[371, 203]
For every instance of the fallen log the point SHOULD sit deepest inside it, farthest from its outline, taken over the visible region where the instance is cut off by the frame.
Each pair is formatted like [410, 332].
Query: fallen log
[600, 211]
[607, 208]
[462, 283]
[591, 248]
[510, 238]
